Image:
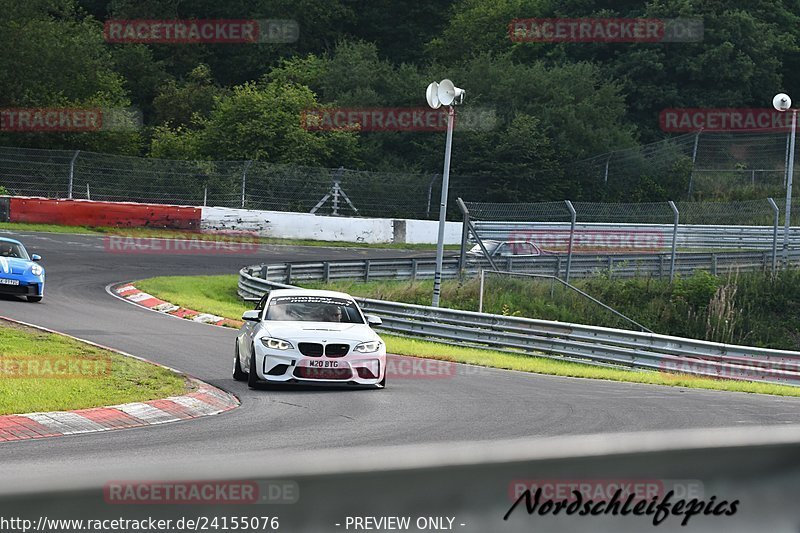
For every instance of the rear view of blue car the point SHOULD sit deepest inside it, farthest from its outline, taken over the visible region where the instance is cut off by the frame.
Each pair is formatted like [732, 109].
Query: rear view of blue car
[19, 273]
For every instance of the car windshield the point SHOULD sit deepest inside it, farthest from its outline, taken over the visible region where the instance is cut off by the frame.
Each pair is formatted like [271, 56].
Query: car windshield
[12, 249]
[490, 245]
[313, 309]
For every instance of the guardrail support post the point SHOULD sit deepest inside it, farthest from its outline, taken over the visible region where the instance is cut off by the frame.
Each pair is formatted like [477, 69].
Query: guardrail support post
[326, 272]
[462, 258]
[480, 295]
[573, 217]
[366, 270]
[610, 267]
[264, 272]
[413, 270]
[713, 264]
[674, 240]
[288, 273]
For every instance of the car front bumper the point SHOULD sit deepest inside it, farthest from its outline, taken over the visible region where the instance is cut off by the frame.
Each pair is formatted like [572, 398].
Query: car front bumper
[290, 366]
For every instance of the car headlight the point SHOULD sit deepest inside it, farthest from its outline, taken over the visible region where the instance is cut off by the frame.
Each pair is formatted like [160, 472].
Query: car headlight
[275, 344]
[368, 347]
[36, 270]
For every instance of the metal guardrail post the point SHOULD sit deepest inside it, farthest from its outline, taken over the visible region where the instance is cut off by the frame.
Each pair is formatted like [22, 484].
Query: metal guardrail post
[414, 267]
[776, 212]
[573, 218]
[72, 173]
[462, 258]
[326, 272]
[366, 270]
[674, 240]
[480, 295]
[288, 273]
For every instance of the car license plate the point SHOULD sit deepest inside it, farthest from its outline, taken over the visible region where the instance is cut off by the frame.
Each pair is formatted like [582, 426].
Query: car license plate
[324, 364]
[9, 282]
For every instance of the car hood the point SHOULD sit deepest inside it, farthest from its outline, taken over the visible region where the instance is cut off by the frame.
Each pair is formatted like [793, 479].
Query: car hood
[318, 331]
[14, 265]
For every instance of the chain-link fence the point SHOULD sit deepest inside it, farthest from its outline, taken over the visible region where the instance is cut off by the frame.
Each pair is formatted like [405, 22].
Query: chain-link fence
[699, 166]
[249, 184]
[714, 166]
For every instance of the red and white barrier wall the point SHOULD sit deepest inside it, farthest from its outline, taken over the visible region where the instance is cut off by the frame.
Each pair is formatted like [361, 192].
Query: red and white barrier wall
[98, 214]
[275, 224]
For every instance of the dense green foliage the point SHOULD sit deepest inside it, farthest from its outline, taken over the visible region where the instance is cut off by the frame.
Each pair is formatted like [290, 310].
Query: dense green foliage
[555, 103]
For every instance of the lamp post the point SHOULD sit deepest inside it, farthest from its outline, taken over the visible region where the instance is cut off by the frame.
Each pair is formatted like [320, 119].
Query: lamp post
[438, 94]
[783, 103]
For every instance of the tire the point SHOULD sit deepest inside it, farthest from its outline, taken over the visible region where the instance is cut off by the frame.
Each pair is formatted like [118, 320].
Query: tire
[34, 298]
[238, 373]
[252, 375]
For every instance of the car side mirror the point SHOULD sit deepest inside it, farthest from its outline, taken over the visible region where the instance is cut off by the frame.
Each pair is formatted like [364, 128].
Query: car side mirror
[373, 320]
[252, 316]
[36, 257]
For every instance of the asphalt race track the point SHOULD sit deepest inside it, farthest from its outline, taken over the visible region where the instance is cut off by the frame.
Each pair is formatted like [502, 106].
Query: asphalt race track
[473, 405]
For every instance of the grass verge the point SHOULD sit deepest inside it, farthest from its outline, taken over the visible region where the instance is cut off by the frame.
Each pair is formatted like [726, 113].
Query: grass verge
[43, 371]
[217, 295]
[179, 234]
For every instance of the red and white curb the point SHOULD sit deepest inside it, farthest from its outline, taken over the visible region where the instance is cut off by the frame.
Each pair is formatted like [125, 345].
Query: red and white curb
[132, 294]
[205, 400]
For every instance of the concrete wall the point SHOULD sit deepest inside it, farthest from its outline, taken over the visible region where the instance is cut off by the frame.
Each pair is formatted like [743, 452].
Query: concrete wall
[285, 225]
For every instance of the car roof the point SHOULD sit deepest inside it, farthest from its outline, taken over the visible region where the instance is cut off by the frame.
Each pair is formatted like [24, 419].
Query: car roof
[308, 292]
[6, 239]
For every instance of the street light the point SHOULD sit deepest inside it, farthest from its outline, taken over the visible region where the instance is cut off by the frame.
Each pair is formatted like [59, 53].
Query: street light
[783, 103]
[438, 94]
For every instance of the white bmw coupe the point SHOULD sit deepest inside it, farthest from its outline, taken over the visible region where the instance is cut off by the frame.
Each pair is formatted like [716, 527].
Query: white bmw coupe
[306, 336]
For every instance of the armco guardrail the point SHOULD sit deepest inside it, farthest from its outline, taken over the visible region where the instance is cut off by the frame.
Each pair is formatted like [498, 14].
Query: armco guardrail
[574, 342]
[612, 265]
[646, 236]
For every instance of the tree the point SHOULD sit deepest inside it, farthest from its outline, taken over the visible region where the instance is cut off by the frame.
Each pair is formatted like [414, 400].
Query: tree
[54, 56]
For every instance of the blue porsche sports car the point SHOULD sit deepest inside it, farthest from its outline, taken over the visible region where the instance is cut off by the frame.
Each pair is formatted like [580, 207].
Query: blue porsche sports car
[19, 273]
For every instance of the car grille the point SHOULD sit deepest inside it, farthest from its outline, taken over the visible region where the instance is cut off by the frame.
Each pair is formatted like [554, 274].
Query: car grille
[337, 350]
[322, 373]
[310, 349]
[18, 289]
